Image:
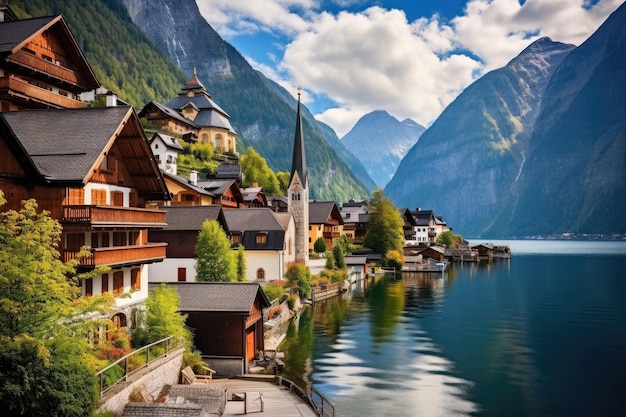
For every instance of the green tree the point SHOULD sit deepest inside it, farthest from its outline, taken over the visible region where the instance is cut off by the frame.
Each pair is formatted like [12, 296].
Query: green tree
[43, 359]
[216, 261]
[300, 279]
[283, 179]
[330, 260]
[340, 262]
[242, 265]
[254, 168]
[385, 226]
[319, 245]
[448, 239]
[162, 317]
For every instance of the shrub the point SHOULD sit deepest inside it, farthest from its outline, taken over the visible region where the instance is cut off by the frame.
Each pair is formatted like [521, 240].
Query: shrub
[274, 291]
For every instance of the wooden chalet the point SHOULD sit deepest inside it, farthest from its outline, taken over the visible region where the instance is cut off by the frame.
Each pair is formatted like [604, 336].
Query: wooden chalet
[254, 196]
[184, 223]
[93, 170]
[325, 221]
[168, 120]
[185, 193]
[226, 320]
[41, 65]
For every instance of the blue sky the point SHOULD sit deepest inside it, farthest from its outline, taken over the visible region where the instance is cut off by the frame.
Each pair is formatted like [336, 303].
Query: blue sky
[409, 57]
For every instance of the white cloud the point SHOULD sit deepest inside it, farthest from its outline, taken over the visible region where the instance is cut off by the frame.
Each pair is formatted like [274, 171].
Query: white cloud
[377, 59]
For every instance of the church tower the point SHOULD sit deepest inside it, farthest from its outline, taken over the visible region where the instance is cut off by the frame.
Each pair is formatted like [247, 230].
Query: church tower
[298, 192]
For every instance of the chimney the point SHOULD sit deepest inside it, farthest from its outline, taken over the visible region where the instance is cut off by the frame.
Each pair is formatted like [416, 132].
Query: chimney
[111, 100]
[193, 177]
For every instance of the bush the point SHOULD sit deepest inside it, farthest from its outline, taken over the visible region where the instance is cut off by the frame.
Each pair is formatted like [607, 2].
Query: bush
[112, 375]
[274, 291]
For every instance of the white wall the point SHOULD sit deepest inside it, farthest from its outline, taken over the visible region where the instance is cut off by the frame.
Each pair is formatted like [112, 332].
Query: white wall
[167, 271]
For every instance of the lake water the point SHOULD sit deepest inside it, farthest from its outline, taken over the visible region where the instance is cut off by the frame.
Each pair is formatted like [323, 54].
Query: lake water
[541, 334]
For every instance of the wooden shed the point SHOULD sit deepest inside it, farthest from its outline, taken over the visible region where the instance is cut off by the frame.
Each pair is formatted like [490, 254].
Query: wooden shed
[227, 321]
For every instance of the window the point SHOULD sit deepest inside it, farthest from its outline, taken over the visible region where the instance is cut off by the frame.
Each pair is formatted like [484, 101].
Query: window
[133, 238]
[218, 141]
[132, 199]
[261, 238]
[98, 197]
[105, 283]
[76, 196]
[135, 279]
[118, 283]
[347, 215]
[182, 274]
[295, 197]
[119, 238]
[75, 241]
[117, 198]
[236, 238]
[89, 287]
[94, 240]
[260, 274]
[105, 240]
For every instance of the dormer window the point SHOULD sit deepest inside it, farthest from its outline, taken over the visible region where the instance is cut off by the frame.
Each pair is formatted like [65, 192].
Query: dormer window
[261, 238]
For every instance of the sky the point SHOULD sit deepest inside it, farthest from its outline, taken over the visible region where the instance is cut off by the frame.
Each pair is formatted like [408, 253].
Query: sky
[409, 57]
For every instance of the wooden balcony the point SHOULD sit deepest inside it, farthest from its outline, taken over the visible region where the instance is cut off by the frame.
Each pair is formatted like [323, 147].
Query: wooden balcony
[110, 216]
[120, 255]
[331, 235]
[19, 88]
[49, 69]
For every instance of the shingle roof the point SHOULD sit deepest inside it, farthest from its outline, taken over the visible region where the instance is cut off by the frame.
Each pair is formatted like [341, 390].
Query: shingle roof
[191, 217]
[65, 144]
[219, 296]
[168, 111]
[218, 187]
[321, 211]
[252, 221]
[169, 141]
[14, 33]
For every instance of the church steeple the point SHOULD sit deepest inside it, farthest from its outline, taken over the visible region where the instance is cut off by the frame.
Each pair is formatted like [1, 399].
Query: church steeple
[298, 192]
[298, 162]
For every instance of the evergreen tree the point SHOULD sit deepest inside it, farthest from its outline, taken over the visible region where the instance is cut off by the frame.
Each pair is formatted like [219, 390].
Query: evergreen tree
[330, 260]
[300, 279]
[216, 261]
[320, 245]
[242, 265]
[385, 226]
[340, 262]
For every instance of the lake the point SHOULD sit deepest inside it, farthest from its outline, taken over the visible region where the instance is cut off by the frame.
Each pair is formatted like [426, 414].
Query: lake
[541, 334]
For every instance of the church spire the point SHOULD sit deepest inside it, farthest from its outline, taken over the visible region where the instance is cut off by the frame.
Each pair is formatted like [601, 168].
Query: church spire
[298, 162]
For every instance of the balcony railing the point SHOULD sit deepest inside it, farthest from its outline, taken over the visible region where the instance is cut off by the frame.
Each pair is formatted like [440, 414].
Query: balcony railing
[331, 235]
[110, 216]
[41, 94]
[47, 67]
[120, 255]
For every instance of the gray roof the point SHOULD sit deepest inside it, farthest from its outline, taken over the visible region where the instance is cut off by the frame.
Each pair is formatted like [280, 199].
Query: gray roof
[356, 259]
[168, 111]
[14, 33]
[169, 141]
[215, 186]
[252, 221]
[321, 211]
[186, 183]
[64, 144]
[191, 217]
[210, 114]
[226, 297]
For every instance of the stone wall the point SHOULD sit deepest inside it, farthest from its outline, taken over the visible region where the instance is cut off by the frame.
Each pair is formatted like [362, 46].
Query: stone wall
[164, 371]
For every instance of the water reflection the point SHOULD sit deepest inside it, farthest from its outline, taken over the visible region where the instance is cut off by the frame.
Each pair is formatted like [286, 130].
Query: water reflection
[371, 356]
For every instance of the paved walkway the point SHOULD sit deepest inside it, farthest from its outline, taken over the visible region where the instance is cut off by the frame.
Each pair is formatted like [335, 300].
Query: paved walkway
[277, 401]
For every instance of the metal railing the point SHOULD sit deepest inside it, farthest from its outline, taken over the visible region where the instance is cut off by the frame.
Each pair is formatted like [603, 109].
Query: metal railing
[127, 365]
[311, 396]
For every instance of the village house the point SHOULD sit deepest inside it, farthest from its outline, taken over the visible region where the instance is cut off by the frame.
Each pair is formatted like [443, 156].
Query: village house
[355, 216]
[226, 320]
[96, 182]
[325, 221]
[409, 226]
[268, 238]
[193, 110]
[425, 228]
[184, 223]
[165, 149]
[41, 65]
[91, 168]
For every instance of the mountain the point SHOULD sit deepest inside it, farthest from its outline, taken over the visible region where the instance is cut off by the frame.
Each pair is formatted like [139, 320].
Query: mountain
[262, 112]
[574, 178]
[535, 148]
[380, 141]
[470, 158]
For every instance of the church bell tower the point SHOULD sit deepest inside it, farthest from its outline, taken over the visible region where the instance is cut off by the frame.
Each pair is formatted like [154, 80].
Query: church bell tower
[298, 192]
